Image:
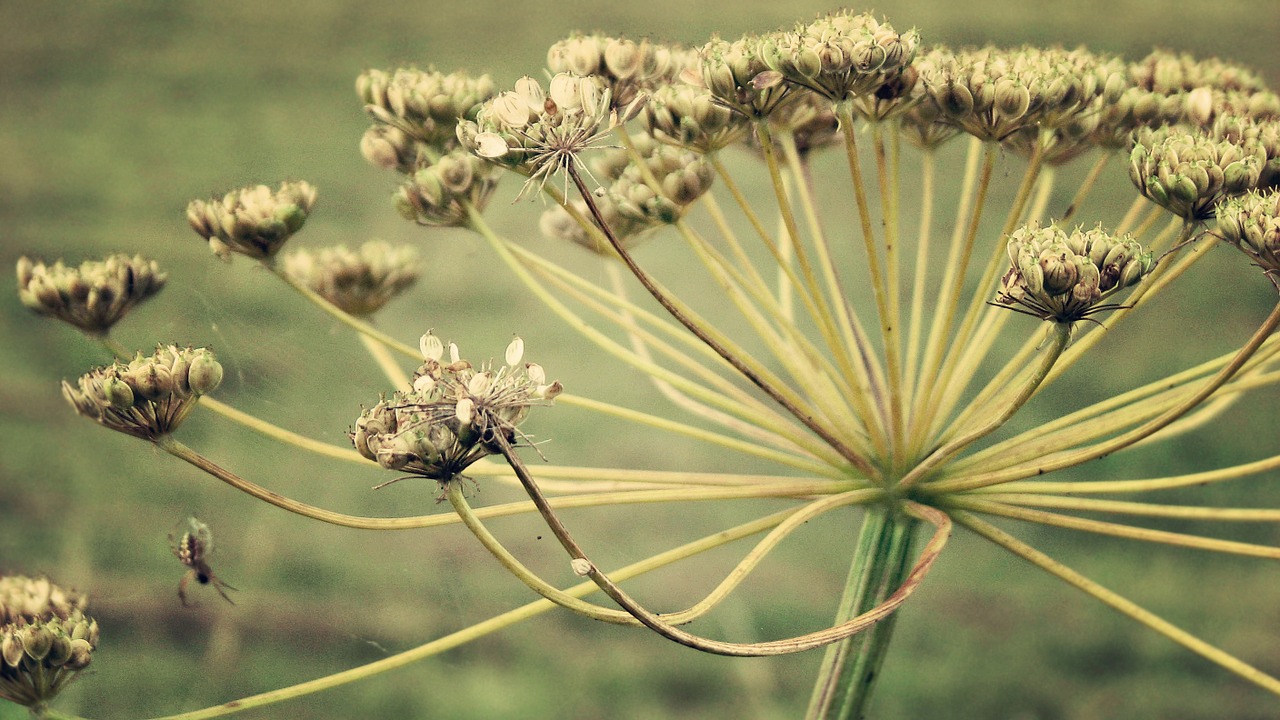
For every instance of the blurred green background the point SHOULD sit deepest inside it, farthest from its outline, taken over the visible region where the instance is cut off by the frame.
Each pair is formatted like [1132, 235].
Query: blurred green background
[114, 114]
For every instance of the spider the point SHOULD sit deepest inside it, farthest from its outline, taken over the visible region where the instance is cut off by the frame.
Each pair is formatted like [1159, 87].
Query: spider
[192, 548]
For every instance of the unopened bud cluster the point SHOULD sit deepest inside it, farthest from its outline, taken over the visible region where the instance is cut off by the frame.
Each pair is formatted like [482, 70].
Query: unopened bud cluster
[149, 396]
[45, 639]
[628, 203]
[1189, 172]
[846, 56]
[1252, 224]
[422, 105]
[439, 193]
[359, 281]
[253, 221]
[92, 297]
[1063, 276]
[454, 414]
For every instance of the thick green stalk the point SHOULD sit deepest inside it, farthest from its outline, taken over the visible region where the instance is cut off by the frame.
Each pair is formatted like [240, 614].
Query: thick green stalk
[850, 668]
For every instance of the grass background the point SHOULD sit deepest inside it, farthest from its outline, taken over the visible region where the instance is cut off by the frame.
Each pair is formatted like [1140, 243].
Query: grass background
[113, 115]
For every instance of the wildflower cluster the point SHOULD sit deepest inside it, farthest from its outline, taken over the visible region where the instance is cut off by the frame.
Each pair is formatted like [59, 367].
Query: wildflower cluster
[1063, 276]
[254, 221]
[453, 414]
[629, 205]
[359, 281]
[1252, 224]
[45, 639]
[149, 396]
[93, 296]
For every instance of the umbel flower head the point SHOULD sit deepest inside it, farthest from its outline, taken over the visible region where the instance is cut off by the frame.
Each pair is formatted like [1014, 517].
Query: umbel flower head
[628, 68]
[540, 132]
[454, 414]
[252, 221]
[689, 116]
[628, 204]
[45, 639]
[1252, 224]
[1063, 276]
[1189, 172]
[843, 55]
[424, 105]
[360, 281]
[95, 295]
[438, 193]
[149, 396]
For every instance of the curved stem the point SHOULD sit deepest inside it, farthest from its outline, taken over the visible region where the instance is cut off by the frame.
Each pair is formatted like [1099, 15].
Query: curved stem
[471, 633]
[182, 452]
[809, 641]
[1102, 449]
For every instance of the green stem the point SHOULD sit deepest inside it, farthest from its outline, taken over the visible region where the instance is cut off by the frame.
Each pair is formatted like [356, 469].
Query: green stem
[849, 668]
[341, 316]
[754, 374]
[474, 632]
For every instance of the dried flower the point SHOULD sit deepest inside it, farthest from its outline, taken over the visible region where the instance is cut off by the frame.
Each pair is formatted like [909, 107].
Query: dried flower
[1252, 224]
[1061, 276]
[149, 396]
[541, 132]
[626, 67]
[453, 414]
[45, 639]
[361, 281]
[95, 295]
[252, 221]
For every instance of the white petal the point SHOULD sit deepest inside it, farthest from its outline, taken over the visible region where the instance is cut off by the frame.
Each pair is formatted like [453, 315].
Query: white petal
[431, 347]
[491, 145]
[515, 351]
[465, 411]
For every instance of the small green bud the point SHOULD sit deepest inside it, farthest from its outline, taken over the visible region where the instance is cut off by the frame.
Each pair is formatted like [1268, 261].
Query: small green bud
[204, 374]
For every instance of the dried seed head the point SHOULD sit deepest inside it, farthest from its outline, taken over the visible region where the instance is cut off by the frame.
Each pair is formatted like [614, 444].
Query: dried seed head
[811, 120]
[94, 296]
[252, 221]
[1064, 276]
[359, 282]
[45, 639]
[149, 396]
[1190, 172]
[1252, 224]
[454, 413]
